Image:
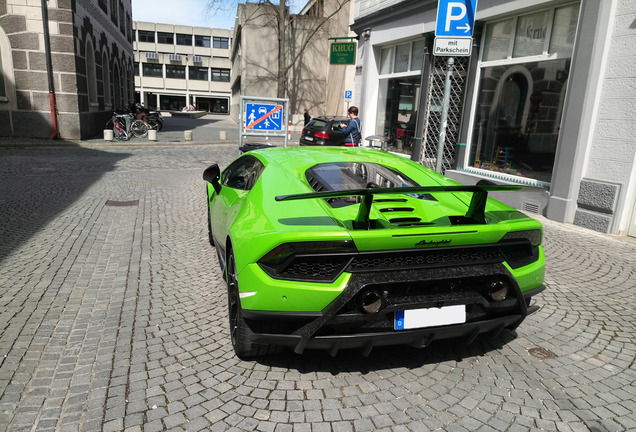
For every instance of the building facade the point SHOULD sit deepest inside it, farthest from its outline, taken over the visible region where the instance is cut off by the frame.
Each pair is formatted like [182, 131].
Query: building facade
[545, 98]
[177, 66]
[64, 65]
[302, 46]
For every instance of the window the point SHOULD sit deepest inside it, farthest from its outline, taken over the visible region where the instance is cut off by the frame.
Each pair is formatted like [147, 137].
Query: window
[338, 176]
[165, 38]
[243, 173]
[202, 41]
[398, 102]
[221, 42]
[524, 71]
[152, 70]
[184, 39]
[175, 71]
[3, 91]
[402, 58]
[136, 68]
[113, 11]
[198, 73]
[146, 36]
[91, 75]
[399, 93]
[222, 75]
[103, 5]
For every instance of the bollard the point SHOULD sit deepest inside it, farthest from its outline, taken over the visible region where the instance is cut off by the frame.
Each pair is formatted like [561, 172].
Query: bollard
[222, 135]
[108, 134]
[187, 135]
[152, 135]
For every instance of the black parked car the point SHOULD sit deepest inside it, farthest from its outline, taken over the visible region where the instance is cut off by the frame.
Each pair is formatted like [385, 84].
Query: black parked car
[323, 131]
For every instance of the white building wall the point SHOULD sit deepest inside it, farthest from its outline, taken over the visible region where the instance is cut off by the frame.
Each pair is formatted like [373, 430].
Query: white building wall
[611, 162]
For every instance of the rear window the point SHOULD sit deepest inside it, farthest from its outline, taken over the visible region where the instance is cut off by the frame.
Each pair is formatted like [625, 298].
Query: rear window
[336, 176]
[316, 125]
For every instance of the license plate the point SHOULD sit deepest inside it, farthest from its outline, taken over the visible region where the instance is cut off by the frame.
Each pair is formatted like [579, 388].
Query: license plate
[430, 317]
[309, 138]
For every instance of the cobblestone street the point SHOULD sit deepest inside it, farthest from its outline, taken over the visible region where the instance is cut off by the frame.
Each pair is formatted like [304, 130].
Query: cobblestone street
[113, 317]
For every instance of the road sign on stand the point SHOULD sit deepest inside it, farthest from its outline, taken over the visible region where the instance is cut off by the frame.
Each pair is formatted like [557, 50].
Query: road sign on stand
[264, 117]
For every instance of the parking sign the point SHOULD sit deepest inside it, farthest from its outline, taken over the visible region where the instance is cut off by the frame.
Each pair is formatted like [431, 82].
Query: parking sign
[455, 18]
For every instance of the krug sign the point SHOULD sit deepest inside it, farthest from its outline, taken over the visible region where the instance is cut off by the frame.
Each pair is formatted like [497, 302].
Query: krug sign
[342, 53]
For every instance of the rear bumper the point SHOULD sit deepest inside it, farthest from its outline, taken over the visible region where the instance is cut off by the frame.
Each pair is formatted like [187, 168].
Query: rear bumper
[338, 327]
[419, 338]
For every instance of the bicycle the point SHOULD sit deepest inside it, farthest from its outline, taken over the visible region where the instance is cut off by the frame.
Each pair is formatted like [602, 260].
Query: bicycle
[124, 125]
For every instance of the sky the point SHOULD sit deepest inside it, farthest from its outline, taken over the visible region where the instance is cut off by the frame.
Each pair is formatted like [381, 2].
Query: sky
[189, 12]
[184, 12]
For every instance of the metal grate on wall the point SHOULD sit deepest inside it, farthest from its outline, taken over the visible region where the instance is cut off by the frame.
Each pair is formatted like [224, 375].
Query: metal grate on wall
[432, 125]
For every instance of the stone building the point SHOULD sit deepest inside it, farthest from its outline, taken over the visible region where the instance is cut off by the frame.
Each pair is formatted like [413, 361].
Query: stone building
[543, 97]
[76, 54]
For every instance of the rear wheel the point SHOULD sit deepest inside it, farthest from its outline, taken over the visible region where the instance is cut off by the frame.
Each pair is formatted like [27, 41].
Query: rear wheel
[239, 331]
[139, 129]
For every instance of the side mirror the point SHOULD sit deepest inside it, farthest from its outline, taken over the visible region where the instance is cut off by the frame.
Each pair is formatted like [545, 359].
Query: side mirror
[212, 174]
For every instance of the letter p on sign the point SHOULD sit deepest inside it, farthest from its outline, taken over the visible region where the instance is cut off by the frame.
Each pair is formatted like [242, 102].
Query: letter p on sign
[450, 16]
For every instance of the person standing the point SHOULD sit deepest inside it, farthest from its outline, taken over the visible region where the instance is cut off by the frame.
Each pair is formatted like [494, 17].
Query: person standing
[353, 129]
[307, 117]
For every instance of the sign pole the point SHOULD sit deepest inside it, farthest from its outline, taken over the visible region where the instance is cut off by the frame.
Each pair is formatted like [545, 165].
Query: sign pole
[445, 104]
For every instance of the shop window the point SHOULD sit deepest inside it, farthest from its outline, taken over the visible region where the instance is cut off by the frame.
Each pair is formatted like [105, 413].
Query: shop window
[398, 101]
[202, 41]
[521, 94]
[165, 38]
[152, 70]
[399, 93]
[184, 39]
[198, 73]
[146, 36]
[221, 42]
[175, 71]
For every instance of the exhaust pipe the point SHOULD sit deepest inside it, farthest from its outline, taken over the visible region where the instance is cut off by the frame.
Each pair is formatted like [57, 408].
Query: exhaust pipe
[370, 301]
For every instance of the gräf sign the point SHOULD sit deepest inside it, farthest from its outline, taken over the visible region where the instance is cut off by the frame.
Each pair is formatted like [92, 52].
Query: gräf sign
[342, 53]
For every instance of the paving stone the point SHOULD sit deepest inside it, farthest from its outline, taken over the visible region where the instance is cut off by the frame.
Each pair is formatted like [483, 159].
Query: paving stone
[116, 319]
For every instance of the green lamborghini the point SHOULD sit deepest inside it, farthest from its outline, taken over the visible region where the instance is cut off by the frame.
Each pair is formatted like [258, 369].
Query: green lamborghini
[354, 248]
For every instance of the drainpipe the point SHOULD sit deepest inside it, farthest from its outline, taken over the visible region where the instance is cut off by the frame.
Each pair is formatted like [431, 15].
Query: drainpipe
[49, 69]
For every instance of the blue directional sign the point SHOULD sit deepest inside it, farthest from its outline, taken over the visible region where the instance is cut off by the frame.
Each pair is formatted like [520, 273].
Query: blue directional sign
[455, 18]
[264, 117]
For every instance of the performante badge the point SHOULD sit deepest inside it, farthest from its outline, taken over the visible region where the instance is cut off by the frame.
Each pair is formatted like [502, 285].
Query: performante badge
[432, 242]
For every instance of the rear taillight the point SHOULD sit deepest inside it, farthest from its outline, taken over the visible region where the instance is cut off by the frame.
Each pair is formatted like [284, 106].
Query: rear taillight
[319, 261]
[322, 135]
[304, 131]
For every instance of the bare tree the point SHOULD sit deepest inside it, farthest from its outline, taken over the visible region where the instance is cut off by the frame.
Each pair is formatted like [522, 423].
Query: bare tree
[280, 18]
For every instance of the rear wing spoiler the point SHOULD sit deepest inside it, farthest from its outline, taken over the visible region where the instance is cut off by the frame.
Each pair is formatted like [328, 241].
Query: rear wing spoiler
[476, 213]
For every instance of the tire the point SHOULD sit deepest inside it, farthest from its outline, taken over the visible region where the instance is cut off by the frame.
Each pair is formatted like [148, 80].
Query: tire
[139, 129]
[155, 124]
[239, 331]
[210, 236]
